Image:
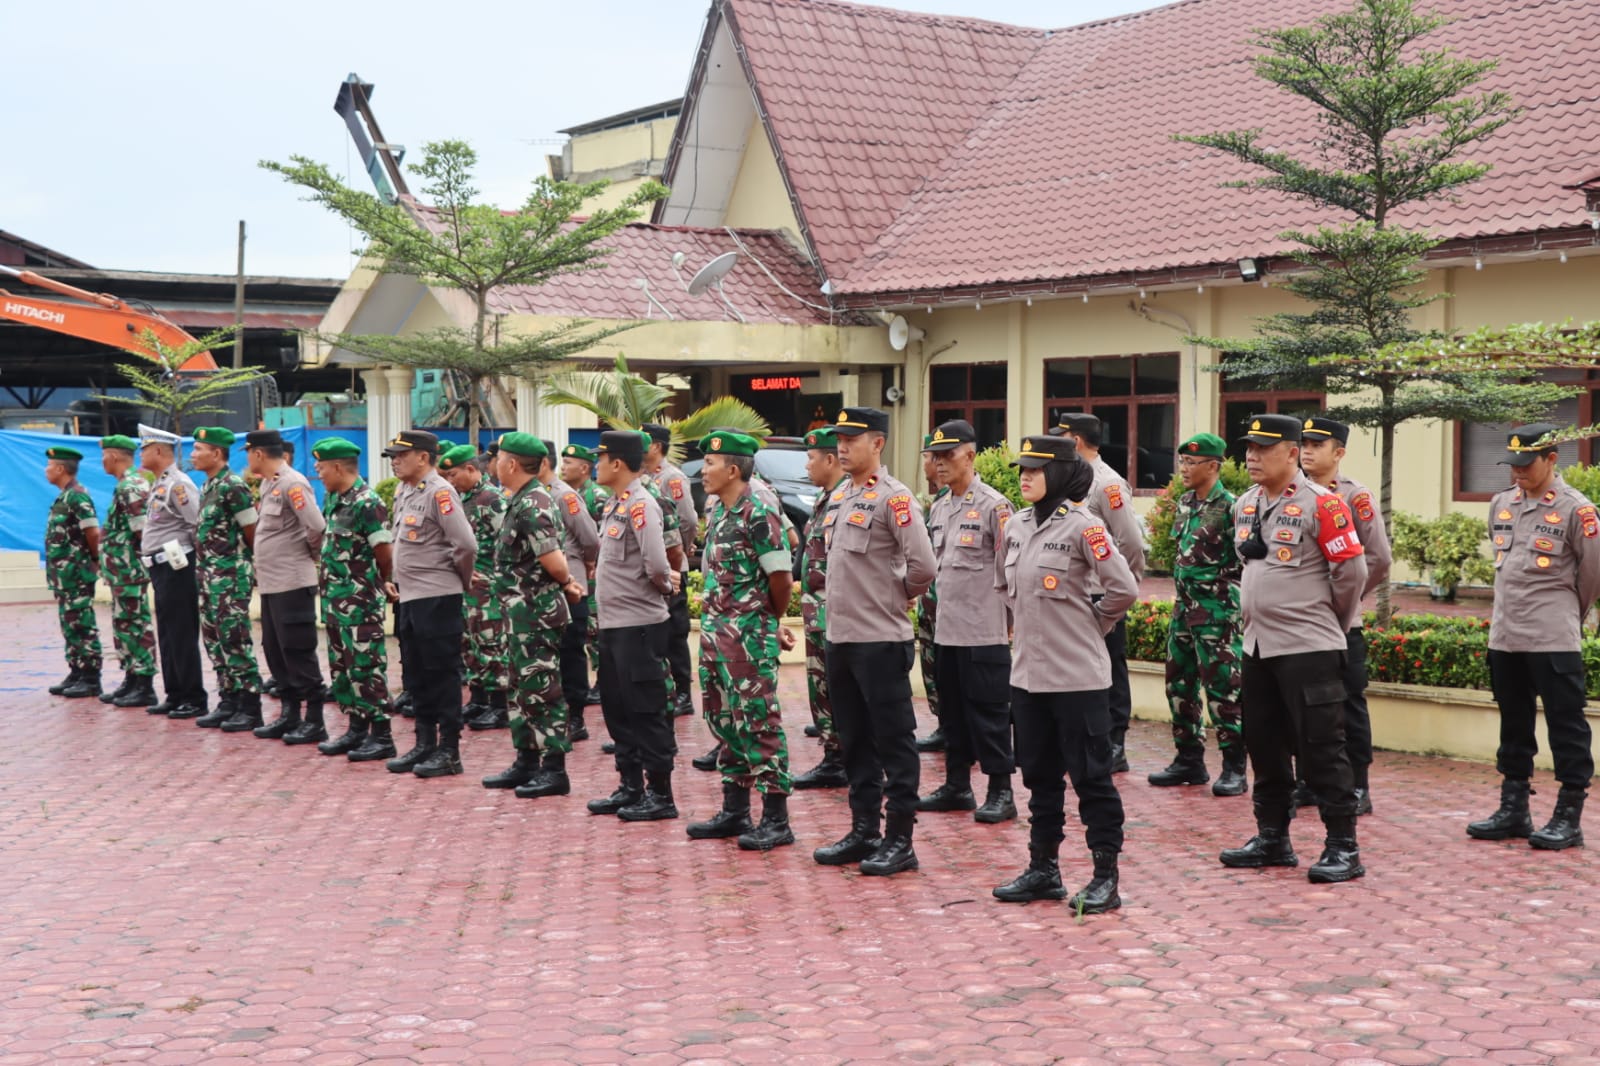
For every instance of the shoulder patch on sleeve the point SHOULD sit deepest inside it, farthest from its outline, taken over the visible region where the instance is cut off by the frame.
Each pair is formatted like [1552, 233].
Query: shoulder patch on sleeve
[1098, 543]
[1361, 503]
[901, 506]
[1114, 496]
[573, 503]
[676, 485]
[446, 504]
[637, 515]
[1590, 521]
[297, 497]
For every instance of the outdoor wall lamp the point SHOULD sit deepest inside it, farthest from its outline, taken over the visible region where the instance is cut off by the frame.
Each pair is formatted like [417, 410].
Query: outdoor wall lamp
[1251, 268]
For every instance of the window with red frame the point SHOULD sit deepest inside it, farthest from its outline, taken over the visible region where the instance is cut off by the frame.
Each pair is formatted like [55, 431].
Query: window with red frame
[1136, 399]
[975, 392]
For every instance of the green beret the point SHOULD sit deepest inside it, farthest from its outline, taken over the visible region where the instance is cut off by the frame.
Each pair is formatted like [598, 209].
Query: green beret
[1204, 445]
[215, 435]
[457, 457]
[524, 444]
[334, 448]
[726, 442]
[119, 443]
[57, 451]
[927, 442]
[823, 437]
[578, 451]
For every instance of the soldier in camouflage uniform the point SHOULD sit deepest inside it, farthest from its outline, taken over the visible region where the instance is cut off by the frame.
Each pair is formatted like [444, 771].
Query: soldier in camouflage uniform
[226, 574]
[483, 644]
[748, 583]
[126, 577]
[927, 612]
[577, 468]
[355, 560]
[71, 560]
[822, 467]
[532, 580]
[1203, 643]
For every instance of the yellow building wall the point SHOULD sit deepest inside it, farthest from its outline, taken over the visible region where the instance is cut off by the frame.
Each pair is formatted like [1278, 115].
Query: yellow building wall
[760, 200]
[636, 147]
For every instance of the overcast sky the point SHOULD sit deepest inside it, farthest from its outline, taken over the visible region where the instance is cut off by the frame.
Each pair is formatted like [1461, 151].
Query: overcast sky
[134, 129]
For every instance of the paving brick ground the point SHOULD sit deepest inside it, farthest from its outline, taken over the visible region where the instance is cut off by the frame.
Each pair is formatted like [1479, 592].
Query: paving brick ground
[171, 895]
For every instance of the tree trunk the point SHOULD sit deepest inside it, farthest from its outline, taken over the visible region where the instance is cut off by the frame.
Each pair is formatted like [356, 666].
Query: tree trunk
[473, 410]
[1385, 506]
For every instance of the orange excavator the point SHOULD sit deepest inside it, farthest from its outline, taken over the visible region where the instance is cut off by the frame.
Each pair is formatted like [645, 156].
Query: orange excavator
[94, 316]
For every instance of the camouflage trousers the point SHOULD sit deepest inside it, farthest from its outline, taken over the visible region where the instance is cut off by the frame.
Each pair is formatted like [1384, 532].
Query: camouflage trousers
[593, 637]
[925, 618]
[483, 644]
[817, 688]
[131, 629]
[79, 633]
[741, 707]
[1204, 652]
[358, 668]
[538, 708]
[225, 632]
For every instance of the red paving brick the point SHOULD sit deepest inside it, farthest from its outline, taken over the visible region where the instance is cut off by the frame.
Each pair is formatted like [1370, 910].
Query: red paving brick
[172, 895]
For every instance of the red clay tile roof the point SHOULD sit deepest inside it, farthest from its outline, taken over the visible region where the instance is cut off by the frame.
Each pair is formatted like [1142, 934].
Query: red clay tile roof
[866, 102]
[1066, 167]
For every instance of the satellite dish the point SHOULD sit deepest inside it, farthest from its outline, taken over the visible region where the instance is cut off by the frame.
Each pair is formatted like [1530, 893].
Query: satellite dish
[712, 273]
[902, 333]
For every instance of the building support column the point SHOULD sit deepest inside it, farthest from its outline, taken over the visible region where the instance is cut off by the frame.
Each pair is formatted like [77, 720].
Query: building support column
[378, 429]
[399, 405]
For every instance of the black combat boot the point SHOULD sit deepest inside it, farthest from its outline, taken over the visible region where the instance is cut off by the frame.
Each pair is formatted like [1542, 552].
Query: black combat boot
[894, 855]
[378, 745]
[812, 731]
[1564, 829]
[405, 706]
[227, 706]
[1269, 847]
[311, 729]
[954, 795]
[141, 694]
[1304, 796]
[188, 710]
[164, 708]
[120, 690]
[1188, 768]
[427, 740]
[1100, 894]
[682, 704]
[287, 721]
[1119, 751]
[708, 761]
[550, 779]
[353, 737]
[273, 688]
[592, 697]
[519, 773]
[1511, 819]
[829, 773]
[61, 686]
[246, 715]
[656, 804]
[628, 793]
[87, 686]
[862, 840]
[730, 821]
[1232, 781]
[1041, 880]
[477, 703]
[1363, 790]
[998, 804]
[576, 729]
[443, 761]
[934, 741]
[774, 831]
[1341, 859]
[608, 747]
[495, 714]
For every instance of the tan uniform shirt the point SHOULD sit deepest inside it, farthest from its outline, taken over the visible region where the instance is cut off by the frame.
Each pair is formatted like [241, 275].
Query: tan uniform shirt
[580, 541]
[1050, 573]
[1111, 501]
[1370, 528]
[879, 560]
[288, 533]
[1302, 596]
[174, 512]
[434, 546]
[673, 485]
[633, 578]
[1547, 568]
[968, 532]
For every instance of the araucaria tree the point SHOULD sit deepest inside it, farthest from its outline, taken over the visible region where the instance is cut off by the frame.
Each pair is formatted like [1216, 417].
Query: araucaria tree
[453, 242]
[1393, 116]
[176, 396]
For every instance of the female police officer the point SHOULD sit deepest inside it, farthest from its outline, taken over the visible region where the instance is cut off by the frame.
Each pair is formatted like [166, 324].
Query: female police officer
[1054, 553]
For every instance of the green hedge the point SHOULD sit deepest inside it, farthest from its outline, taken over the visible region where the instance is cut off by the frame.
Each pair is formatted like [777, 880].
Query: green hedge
[1414, 649]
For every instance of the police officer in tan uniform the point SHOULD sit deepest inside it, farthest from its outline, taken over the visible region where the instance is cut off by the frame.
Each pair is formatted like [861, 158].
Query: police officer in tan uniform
[434, 552]
[673, 485]
[288, 545]
[1054, 556]
[1546, 539]
[633, 583]
[1111, 500]
[580, 542]
[166, 548]
[972, 654]
[879, 560]
[1322, 447]
[1300, 593]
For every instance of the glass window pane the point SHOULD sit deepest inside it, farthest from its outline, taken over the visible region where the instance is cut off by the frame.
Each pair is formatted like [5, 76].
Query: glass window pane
[1111, 377]
[1065, 379]
[990, 422]
[1157, 436]
[989, 382]
[1300, 407]
[1157, 375]
[1235, 419]
[948, 383]
[1114, 436]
